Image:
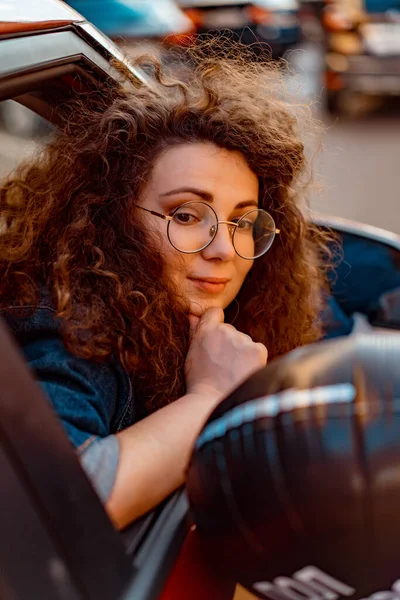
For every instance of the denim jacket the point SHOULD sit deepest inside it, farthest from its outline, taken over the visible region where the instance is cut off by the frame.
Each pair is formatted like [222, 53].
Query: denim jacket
[93, 401]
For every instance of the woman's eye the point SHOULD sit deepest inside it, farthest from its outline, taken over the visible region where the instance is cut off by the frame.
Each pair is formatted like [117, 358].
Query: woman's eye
[244, 224]
[185, 218]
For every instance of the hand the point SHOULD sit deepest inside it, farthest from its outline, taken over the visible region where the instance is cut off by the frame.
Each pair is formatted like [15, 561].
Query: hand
[220, 357]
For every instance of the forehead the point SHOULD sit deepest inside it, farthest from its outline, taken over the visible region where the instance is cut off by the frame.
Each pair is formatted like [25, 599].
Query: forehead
[203, 165]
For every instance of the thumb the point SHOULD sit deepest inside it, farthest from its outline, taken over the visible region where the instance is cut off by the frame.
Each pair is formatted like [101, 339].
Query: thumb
[211, 316]
[193, 322]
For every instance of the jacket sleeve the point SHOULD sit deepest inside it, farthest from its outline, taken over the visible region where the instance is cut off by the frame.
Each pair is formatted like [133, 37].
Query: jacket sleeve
[82, 393]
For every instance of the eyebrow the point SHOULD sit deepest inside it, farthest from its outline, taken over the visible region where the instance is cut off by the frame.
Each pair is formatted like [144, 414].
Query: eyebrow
[206, 196]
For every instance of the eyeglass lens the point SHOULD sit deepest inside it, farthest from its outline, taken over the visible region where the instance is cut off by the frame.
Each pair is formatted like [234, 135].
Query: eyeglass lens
[194, 226]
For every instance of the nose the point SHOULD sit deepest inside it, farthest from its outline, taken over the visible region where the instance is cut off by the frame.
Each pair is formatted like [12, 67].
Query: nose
[221, 247]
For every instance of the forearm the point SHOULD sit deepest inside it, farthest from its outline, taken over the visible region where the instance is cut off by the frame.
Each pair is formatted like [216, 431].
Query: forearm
[154, 454]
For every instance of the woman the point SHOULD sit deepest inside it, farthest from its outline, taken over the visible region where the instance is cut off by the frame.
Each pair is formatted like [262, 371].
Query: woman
[152, 212]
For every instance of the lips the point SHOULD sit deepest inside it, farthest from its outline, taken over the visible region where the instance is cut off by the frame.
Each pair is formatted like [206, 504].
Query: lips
[212, 285]
[211, 279]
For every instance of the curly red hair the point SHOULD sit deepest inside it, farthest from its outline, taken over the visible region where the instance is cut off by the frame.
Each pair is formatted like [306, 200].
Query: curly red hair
[70, 226]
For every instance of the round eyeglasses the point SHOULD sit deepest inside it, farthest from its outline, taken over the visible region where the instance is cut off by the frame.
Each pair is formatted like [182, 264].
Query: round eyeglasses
[193, 226]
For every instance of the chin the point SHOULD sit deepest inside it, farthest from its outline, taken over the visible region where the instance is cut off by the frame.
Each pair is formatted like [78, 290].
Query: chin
[206, 303]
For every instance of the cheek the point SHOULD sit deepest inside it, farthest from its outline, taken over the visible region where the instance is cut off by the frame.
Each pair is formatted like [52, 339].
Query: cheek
[157, 232]
[243, 270]
[176, 264]
[172, 258]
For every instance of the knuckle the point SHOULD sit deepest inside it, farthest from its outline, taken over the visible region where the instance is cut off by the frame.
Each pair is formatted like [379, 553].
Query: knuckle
[229, 328]
[262, 350]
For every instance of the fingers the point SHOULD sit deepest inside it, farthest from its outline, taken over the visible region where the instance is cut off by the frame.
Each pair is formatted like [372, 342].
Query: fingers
[215, 316]
[211, 317]
[263, 352]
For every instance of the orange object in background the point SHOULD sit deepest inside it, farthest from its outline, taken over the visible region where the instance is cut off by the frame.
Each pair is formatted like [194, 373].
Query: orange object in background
[333, 81]
[333, 19]
[184, 40]
[195, 15]
[346, 43]
[259, 16]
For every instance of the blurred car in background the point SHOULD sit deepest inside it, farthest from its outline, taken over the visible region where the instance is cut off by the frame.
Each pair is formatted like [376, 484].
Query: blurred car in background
[274, 23]
[135, 19]
[362, 58]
